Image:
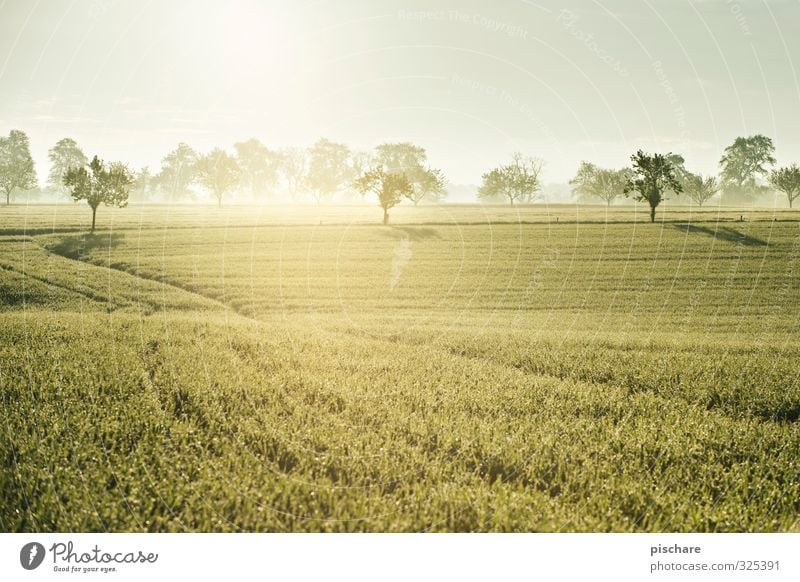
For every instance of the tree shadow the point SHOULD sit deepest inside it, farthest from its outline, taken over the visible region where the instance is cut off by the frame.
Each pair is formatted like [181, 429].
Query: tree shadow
[724, 233]
[78, 247]
[413, 233]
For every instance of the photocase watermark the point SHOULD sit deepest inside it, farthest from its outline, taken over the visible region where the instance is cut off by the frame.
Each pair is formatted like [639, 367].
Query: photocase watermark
[509, 100]
[569, 20]
[400, 257]
[474, 18]
[677, 108]
[738, 15]
[65, 558]
[31, 555]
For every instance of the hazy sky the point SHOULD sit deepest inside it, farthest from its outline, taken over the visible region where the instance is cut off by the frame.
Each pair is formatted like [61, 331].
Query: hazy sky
[471, 81]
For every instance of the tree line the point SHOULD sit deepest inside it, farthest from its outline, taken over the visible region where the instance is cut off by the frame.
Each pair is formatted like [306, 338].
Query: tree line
[392, 172]
[746, 172]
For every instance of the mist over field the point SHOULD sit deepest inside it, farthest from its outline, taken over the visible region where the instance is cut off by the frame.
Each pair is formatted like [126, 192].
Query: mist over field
[399, 266]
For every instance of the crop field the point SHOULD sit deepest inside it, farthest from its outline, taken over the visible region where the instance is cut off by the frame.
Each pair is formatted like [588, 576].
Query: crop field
[466, 368]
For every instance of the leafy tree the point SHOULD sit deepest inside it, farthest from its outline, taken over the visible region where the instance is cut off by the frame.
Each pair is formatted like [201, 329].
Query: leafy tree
[678, 163]
[593, 182]
[328, 168]
[400, 157]
[518, 181]
[65, 154]
[293, 166]
[99, 184]
[652, 176]
[426, 184]
[389, 187]
[700, 189]
[17, 170]
[411, 160]
[218, 172]
[743, 161]
[259, 165]
[787, 180]
[142, 181]
[178, 171]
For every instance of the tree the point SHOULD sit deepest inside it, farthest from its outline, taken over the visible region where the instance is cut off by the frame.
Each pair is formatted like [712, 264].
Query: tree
[17, 170]
[426, 184]
[99, 184]
[259, 165]
[218, 172]
[293, 165]
[177, 171]
[652, 176]
[518, 181]
[141, 183]
[678, 163]
[411, 161]
[65, 154]
[593, 182]
[389, 187]
[700, 189]
[744, 161]
[328, 168]
[787, 180]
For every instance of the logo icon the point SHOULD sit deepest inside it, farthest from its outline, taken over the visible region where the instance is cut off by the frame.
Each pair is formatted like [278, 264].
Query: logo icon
[31, 555]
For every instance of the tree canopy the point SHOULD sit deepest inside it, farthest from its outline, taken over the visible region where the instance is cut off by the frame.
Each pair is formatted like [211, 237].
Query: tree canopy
[259, 166]
[652, 176]
[218, 172]
[177, 172]
[745, 160]
[603, 184]
[518, 181]
[389, 187]
[328, 168]
[17, 171]
[99, 183]
[65, 154]
[700, 189]
[787, 180]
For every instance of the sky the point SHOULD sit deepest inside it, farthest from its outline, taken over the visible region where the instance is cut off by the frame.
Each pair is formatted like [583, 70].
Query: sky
[470, 81]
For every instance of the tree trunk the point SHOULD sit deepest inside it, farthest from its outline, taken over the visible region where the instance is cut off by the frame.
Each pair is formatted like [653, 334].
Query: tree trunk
[94, 215]
[652, 214]
[8, 197]
[385, 216]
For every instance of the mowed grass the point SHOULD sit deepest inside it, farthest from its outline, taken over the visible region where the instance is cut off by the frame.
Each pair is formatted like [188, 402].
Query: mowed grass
[499, 371]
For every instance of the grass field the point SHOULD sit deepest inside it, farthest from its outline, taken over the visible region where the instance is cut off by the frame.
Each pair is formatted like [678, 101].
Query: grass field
[467, 368]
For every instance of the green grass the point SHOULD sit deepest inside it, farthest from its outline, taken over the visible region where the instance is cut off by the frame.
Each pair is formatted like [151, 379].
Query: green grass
[467, 369]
